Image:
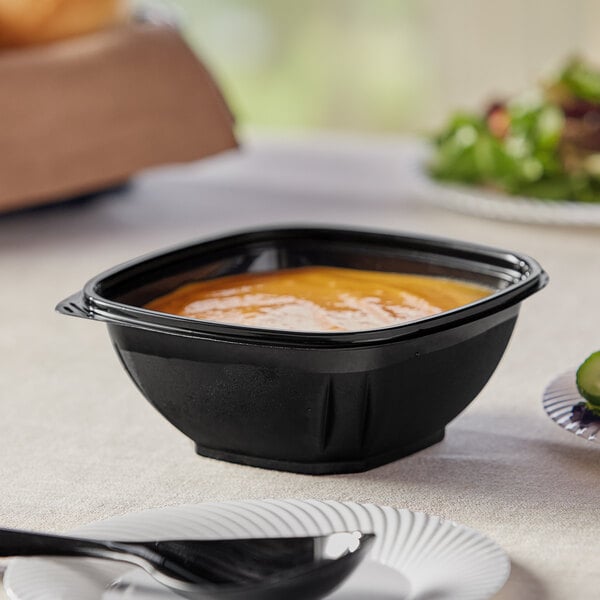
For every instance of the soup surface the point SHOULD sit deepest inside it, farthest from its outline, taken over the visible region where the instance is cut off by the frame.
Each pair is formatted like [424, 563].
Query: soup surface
[318, 299]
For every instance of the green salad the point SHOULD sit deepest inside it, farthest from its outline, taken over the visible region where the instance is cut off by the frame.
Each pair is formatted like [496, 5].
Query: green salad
[545, 144]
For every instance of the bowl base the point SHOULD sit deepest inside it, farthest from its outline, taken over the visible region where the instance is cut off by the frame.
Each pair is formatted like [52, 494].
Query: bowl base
[324, 468]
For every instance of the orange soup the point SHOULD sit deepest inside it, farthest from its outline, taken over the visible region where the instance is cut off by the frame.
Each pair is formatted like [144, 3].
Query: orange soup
[318, 299]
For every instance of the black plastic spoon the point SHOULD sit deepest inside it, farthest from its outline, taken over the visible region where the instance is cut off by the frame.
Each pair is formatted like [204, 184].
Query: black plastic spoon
[298, 568]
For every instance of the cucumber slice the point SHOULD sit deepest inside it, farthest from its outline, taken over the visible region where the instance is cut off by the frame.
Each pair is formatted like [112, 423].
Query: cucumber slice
[588, 379]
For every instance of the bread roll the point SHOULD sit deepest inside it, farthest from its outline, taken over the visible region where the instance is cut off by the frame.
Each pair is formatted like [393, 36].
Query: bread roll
[24, 22]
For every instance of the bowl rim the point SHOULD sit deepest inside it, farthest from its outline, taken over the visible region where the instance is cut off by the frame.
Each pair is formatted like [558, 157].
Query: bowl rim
[90, 302]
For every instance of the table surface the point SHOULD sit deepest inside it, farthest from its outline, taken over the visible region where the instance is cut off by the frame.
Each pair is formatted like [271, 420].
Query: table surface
[78, 442]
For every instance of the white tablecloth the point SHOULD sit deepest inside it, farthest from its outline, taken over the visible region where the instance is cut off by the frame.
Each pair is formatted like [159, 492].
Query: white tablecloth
[79, 443]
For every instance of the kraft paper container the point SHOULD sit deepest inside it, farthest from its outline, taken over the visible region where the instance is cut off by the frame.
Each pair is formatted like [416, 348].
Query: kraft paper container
[85, 114]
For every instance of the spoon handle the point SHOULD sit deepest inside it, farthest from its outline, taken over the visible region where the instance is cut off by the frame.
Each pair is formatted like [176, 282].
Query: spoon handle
[14, 542]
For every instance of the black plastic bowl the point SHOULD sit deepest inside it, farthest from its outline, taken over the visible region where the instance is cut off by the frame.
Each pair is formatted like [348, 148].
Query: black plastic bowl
[310, 402]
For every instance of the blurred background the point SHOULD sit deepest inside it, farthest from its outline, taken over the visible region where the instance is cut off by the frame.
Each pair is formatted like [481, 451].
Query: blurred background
[384, 66]
[389, 67]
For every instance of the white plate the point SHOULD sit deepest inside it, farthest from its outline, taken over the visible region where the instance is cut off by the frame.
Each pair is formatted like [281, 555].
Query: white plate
[415, 556]
[559, 399]
[494, 205]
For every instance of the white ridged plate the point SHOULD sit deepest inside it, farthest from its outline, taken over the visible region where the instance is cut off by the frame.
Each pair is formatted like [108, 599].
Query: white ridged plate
[559, 399]
[426, 557]
[489, 204]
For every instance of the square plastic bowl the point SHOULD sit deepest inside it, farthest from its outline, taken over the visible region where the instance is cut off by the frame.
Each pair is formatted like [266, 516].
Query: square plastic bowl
[310, 402]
